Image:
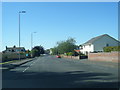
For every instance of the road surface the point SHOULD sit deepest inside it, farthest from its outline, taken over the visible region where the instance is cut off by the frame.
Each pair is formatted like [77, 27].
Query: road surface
[51, 72]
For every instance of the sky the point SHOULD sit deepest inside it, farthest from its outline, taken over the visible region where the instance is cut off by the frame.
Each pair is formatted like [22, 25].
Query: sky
[57, 21]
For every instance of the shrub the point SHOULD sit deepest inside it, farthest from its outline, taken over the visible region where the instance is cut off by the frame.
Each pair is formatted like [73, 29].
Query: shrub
[75, 53]
[34, 52]
[81, 54]
[109, 49]
[70, 53]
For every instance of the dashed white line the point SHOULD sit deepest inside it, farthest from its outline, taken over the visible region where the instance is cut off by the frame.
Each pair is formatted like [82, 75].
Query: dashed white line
[33, 62]
[29, 66]
[25, 69]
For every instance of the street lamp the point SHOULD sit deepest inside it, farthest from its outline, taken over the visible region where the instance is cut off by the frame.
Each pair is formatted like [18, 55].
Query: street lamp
[20, 12]
[32, 42]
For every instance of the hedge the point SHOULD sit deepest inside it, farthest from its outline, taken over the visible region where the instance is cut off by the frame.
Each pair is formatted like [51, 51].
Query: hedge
[109, 49]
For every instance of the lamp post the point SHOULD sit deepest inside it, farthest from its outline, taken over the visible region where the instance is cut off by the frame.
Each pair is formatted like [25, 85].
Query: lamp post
[32, 42]
[20, 12]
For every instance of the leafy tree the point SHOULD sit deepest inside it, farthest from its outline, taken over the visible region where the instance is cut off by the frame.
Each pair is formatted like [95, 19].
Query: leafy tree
[54, 51]
[47, 51]
[66, 46]
[37, 50]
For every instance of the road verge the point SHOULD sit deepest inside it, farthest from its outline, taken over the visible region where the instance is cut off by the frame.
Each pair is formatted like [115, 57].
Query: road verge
[10, 65]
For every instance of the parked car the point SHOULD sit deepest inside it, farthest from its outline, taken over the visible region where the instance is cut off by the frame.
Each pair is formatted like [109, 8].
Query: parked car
[58, 56]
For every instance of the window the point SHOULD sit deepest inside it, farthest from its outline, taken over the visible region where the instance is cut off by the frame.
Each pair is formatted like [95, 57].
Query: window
[81, 47]
[13, 50]
[107, 45]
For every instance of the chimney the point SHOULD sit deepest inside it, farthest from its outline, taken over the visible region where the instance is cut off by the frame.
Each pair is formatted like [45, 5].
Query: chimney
[6, 47]
[14, 46]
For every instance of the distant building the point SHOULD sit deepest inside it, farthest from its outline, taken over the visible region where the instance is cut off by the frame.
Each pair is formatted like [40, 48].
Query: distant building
[15, 49]
[51, 51]
[97, 44]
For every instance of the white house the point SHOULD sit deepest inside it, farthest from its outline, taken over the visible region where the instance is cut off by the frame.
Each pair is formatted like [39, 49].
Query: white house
[97, 44]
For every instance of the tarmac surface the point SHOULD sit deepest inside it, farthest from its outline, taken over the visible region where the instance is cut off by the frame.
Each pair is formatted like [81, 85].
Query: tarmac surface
[51, 72]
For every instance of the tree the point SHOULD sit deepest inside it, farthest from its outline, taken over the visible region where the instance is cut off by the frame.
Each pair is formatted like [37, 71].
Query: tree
[54, 51]
[66, 46]
[37, 50]
[47, 51]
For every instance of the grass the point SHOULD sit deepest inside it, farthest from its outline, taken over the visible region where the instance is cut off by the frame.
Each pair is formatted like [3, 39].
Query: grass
[9, 62]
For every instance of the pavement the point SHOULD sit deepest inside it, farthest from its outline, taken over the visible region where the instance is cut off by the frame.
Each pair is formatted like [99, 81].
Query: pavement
[12, 64]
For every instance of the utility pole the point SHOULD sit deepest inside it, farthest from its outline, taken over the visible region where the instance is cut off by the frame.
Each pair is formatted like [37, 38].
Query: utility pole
[32, 42]
[19, 30]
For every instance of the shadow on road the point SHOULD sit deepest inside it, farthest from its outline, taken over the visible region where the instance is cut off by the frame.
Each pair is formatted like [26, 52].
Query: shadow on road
[73, 79]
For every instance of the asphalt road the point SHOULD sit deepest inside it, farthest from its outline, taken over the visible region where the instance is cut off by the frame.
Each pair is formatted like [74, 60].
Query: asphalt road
[52, 72]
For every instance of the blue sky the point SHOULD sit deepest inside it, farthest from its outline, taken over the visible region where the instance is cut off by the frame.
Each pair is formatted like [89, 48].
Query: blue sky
[56, 21]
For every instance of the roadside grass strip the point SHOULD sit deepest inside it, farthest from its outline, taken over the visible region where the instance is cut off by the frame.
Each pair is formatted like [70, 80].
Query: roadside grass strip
[11, 61]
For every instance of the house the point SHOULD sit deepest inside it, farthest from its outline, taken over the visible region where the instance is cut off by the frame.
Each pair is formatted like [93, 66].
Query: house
[51, 51]
[97, 44]
[14, 49]
[76, 50]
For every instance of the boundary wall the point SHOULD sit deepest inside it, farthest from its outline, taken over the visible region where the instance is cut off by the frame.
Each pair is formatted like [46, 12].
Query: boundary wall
[104, 56]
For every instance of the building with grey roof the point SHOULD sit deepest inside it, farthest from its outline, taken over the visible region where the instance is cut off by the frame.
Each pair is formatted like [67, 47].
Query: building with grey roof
[97, 44]
[15, 49]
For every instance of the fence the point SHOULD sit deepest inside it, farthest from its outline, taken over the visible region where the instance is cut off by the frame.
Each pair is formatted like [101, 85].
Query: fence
[12, 56]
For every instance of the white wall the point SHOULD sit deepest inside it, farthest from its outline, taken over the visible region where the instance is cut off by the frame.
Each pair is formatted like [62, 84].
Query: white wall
[50, 51]
[87, 48]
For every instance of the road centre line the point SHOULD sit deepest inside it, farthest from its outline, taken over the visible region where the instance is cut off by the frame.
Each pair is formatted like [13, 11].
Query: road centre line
[28, 67]
[25, 69]
[31, 64]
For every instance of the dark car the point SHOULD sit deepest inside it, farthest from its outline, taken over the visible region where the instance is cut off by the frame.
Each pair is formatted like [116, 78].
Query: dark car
[58, 56]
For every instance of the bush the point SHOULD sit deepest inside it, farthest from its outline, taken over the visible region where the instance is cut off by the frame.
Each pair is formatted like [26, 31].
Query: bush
[81, 54]
[70, 53]
[75, 53]
[22, 53]
[109, 49]
[35, 52]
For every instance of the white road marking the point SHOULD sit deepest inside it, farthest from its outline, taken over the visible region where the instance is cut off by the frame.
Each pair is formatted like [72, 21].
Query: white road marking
[29, 66]
[33, 62]
[25, 69]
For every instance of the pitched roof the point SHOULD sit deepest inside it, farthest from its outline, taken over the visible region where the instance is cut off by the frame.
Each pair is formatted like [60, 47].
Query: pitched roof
[96, 38]
[15, 48]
